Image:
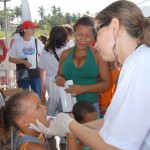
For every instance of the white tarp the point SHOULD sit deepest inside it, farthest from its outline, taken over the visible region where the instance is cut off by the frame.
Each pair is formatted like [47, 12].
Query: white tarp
[145, 10]
[145, 7]
[26, 15]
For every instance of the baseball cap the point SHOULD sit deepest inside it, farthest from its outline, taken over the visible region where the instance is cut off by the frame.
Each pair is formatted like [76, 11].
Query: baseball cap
[27, 24]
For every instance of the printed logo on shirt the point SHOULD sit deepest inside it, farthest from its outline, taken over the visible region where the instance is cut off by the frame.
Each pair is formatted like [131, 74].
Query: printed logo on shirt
[28, 50]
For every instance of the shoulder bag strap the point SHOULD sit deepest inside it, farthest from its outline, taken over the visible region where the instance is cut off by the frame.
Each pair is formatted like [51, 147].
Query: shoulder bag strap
[56, 56]
[36, 51]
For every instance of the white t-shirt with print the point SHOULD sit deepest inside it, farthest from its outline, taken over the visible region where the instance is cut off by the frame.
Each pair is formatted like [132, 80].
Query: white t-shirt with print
[21, 49]
[127, 120]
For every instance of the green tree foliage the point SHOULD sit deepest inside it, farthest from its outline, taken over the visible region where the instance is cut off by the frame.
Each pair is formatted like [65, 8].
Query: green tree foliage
[54, 9]
[17, 11]
[11, 15]
[74, 18]
[2, 15]
[55, 17]
[41, 12]
[68, 18]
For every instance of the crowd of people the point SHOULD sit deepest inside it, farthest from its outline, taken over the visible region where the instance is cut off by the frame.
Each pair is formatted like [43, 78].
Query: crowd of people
[84, 66]
[107, 58]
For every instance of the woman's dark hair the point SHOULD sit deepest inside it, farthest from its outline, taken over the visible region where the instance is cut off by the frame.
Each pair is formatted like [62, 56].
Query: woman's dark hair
[17, 29]
[57, 38]
[85, 20]
[10, 111]
[22, 33]
[130, 16]
[81, 108]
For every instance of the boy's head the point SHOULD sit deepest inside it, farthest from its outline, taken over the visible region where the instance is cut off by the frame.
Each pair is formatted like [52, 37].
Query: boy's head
[84, 111]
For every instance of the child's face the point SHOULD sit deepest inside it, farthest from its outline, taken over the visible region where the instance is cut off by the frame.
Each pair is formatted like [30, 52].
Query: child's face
[88, 117]
[35, 110]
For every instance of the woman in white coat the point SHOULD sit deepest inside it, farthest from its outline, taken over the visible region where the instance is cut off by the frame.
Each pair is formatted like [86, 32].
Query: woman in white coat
[123, 37]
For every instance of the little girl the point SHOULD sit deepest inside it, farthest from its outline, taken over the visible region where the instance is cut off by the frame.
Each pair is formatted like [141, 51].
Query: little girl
[20, 110]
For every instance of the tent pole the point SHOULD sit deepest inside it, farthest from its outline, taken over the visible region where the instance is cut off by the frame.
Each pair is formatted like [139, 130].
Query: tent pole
[6, 25]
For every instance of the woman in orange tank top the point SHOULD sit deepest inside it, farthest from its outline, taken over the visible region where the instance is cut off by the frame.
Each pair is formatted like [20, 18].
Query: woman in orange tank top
[106, 96]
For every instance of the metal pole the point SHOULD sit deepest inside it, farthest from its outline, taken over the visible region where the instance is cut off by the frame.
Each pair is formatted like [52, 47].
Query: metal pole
[6, 25]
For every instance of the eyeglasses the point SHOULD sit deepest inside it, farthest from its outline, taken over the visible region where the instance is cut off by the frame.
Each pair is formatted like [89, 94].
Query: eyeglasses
[95, 30]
